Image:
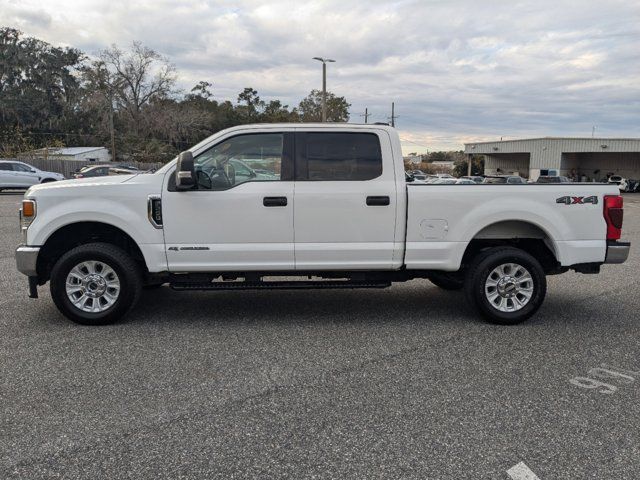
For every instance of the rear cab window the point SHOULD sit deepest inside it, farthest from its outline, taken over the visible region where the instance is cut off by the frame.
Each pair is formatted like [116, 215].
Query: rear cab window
[338, 156]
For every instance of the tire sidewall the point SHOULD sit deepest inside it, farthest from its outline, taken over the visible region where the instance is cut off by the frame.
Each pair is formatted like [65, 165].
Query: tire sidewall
[129, 284]
[479, 277]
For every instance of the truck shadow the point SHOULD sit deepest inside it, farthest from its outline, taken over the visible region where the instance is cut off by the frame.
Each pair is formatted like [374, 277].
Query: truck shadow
[416, 301]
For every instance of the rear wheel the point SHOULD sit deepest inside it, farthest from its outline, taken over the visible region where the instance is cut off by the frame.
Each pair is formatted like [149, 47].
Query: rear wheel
[95, 284]
[506, 285]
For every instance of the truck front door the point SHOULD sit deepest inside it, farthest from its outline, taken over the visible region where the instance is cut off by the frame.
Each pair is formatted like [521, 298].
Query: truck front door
[234, 221]
[345, 195]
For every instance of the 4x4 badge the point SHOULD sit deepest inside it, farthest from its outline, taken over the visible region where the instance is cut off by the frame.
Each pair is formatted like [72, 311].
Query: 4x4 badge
[577, 200]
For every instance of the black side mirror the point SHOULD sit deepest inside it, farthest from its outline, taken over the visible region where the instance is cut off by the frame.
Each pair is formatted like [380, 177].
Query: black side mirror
[185, 172]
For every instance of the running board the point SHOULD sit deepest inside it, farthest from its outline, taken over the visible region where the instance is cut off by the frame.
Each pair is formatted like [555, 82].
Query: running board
[275, 285]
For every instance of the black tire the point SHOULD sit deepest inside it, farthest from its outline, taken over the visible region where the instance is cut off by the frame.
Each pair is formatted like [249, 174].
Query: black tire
[48, 180]
[447, 281]
[123, 265]
[476, 284]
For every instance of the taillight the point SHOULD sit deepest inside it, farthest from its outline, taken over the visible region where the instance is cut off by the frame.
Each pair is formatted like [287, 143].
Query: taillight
[613, 214]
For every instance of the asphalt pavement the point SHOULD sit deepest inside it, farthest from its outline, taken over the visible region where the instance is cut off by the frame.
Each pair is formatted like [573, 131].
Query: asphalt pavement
[398, 383]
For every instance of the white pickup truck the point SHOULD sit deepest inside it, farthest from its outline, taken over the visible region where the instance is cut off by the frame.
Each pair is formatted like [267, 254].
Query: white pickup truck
[308, 206]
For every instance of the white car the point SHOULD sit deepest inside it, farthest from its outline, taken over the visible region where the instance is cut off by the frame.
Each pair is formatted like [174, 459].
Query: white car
[19, 175]
[621, 182]
[335, 211]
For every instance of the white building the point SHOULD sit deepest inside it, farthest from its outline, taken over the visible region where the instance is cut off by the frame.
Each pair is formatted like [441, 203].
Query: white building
[585, 159]
[80, 154]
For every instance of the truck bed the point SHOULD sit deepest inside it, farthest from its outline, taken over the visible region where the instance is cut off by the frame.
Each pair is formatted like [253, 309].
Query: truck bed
[443, 219]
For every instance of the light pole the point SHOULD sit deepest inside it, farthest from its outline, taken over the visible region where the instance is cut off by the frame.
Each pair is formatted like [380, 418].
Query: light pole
[324, 85]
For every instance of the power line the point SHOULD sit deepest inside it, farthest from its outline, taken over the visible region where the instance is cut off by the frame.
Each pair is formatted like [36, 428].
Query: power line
[414, 143]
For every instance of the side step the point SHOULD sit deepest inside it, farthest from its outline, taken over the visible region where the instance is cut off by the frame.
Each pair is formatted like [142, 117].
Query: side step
[276, 285]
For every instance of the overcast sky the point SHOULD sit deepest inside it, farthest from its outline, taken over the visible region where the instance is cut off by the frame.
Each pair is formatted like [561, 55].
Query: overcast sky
[458, 71]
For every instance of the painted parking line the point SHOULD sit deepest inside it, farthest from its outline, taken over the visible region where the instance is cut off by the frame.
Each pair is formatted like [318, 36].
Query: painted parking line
[521, 472]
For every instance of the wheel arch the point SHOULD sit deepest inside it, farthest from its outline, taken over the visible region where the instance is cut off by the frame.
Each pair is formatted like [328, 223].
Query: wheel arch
[529, 236]
[74, 234]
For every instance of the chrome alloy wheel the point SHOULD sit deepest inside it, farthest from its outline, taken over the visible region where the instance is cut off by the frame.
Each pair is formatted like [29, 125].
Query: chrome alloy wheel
[92, 286]
[509, 287]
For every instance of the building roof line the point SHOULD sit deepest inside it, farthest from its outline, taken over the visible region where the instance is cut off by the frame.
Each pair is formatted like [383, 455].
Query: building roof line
[637, 139]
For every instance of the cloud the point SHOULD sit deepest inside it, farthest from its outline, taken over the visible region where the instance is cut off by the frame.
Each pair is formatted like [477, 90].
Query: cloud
[457, 70]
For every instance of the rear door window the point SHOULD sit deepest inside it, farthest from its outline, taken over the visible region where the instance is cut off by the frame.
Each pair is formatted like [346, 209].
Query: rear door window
[338, 156]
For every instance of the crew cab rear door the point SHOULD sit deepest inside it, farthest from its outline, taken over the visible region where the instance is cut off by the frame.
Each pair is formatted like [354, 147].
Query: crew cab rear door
[345, 200]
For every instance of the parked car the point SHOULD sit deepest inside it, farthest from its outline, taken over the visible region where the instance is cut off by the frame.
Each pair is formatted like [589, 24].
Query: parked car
[510, 179]
[20, 176]
[620, 182]
[445, 181]
[102, 171]
[474, 178]
[340, 210]
[552, 179]
[465, 181]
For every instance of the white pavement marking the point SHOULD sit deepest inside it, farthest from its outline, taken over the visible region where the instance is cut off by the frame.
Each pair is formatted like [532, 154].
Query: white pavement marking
[521, 472]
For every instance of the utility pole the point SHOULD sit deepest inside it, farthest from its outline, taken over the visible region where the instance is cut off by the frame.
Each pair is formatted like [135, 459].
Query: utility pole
[393, 114]
[366, 115]
[112, 130]
[324, 85]
[469, 161]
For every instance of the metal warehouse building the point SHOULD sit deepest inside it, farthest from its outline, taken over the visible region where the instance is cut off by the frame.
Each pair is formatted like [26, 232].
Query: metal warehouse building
[582, 159]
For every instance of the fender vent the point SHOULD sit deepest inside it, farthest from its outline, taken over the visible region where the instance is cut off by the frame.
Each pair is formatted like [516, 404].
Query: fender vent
[154, 210]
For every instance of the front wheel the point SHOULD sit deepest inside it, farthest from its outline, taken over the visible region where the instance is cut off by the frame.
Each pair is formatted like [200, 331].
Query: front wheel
[506, 285]
[95, 284]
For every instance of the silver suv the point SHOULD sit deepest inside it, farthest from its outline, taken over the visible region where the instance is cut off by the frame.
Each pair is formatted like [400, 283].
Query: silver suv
[19, 175]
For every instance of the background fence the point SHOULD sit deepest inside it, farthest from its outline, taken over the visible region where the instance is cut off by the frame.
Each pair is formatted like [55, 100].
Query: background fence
[67, 167]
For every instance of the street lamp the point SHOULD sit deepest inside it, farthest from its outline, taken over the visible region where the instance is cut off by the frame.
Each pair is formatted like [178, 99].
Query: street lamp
[324, 84]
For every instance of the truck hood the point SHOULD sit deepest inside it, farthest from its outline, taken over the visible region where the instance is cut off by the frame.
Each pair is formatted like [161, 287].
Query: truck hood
[79, 183]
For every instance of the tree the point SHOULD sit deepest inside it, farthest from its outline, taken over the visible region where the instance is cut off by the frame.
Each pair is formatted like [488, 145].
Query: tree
[38, 86]
[460, 168]
[141, 74]
[201, 90]
[310, 109]
[249, 105]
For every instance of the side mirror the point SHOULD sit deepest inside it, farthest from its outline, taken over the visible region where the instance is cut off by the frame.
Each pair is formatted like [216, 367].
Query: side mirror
[33, 171]
[185, 172]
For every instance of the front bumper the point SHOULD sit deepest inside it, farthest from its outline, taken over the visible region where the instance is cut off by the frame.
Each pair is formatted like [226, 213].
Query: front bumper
[617, 252]
[27, 259]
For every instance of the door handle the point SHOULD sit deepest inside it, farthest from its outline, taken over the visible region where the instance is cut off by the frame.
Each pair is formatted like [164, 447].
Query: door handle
[274, 201]
[378, 201]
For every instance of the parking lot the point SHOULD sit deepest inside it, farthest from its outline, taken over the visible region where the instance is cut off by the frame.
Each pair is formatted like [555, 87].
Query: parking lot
[398, 383]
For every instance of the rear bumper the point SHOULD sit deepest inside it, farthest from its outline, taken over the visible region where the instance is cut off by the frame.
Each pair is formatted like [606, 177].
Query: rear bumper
[27, 259]
[617, 252]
